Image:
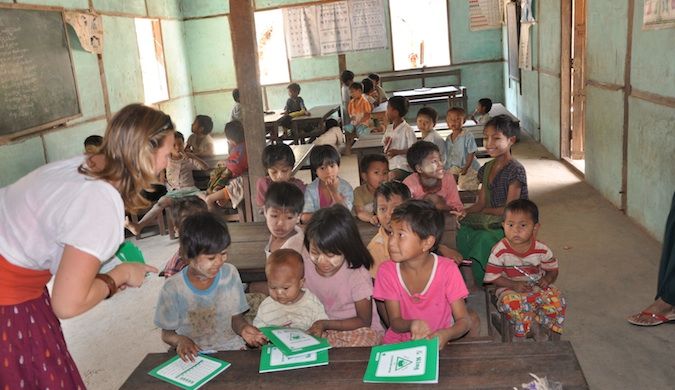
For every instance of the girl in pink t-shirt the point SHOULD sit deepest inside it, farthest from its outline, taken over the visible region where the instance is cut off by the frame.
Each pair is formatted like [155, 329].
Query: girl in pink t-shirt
[338, 275]
[423, 293]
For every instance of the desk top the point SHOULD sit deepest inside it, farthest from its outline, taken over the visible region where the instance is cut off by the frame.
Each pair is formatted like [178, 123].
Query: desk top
[462, 365]
[315, 113]
[423, 92]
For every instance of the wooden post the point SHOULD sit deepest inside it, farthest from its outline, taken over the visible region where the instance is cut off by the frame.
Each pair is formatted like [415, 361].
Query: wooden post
[245, 52]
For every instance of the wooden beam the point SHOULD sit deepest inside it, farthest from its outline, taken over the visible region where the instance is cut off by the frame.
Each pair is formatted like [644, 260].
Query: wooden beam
[627, 91]
[565, 75]
[245, 52]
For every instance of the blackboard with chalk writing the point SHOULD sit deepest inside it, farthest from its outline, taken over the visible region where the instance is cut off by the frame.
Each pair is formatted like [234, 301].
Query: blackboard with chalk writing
[37, 80]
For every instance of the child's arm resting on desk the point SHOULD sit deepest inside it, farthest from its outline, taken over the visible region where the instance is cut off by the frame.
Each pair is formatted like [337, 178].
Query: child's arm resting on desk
[185, 347]
[459, 328]
[252, 335]
[364, 316]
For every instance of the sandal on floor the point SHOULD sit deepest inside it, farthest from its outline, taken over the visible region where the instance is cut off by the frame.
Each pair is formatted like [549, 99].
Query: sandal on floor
[652, 319]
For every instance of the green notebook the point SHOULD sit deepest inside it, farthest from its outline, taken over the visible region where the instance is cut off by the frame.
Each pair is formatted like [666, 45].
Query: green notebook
[409, 362]
[189, 375]
[293, 342]
[271, 359]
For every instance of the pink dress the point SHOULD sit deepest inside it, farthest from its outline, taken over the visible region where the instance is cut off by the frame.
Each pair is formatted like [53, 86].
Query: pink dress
[448, 190]
[432, 305]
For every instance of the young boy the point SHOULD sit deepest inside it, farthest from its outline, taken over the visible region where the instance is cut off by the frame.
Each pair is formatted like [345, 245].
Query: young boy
[426, 120]
[359, 115]
[295, 106]
[374, 170]
[222, 188]
[182, 208]
[378, 86]
[346, 79]
[236, 109]
[92, 144]
[202, 308]
[460, 148]
[278, 160]
[200, 142]
[523, 269]
[288, 304]
[332, 136]
[283, 205]
[398, 137]
[481, 114]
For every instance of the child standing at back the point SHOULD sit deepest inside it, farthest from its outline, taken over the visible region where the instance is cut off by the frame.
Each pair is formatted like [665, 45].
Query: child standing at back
[426, 120]
[235, 115]
[523, 269]
[346, 80]
[430, 181]
[359, 110]
[328, 188]
[201, 309]
[398, 137]
[223, 187]
[461, 151]
[381, 94]
[200, 142]
[423, 293]
[337, 273]
[278, 160]
[374, 170]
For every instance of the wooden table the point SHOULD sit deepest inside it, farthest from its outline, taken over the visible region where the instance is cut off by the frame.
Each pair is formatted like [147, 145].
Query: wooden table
[462, 365]
[247, 251]
[428, 95]
[316, 118]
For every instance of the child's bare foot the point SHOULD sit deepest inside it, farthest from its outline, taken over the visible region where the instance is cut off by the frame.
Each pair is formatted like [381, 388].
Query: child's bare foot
[134, 228]
[657, 313]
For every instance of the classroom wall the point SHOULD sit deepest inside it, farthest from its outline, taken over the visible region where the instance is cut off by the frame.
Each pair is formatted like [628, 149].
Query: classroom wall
[650, 132]
[123, 77]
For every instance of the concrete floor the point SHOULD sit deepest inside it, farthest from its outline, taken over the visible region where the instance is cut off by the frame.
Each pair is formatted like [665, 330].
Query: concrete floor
[608, 268]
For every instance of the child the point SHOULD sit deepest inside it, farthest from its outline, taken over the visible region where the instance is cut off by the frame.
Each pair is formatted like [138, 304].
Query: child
[382, 95]
[346, 79]
[328, 188]
[369, 92]
[359, 115]
[374, 170]
[523, 269]
[333, 135]
[92, 144]
[202, 308]
[426, 120]
[398, 137]
[337, 273]
[481, 114]
[388, 196]
[236, 109]
[182, 208]
[430, 181]
[461, 151]
[283, 206]
[288, 304]
[179, 183]
[222, 188]
[423, 293]
[278, 160]
[200, 142]
[295, 106]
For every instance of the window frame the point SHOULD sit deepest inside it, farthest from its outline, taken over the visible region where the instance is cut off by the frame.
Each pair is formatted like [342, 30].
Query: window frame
[158, 44]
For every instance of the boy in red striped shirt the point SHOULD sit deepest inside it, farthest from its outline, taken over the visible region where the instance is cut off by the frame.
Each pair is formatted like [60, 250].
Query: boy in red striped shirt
[523, 269]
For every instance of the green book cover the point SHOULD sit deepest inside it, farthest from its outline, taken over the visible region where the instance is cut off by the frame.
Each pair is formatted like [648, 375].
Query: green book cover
[293, 342]
[189, 375]
[272, 359]
[408, 362]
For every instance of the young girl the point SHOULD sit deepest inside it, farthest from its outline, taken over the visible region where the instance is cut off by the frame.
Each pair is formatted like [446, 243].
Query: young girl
[461, 151]
[278, 160]
[328, 188]
[179, 183]
[222, 186]
[182, 209]
[423, 293]
[430, 181]
[338, 275]
[503, 180]
[201, 309]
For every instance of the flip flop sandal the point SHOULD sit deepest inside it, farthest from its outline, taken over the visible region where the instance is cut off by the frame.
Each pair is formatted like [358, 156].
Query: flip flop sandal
[659, 319]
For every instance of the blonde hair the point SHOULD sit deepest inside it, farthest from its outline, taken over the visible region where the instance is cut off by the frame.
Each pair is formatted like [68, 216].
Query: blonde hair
[131, 139]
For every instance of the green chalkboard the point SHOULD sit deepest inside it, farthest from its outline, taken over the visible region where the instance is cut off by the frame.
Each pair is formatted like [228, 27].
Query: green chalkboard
[37, 82]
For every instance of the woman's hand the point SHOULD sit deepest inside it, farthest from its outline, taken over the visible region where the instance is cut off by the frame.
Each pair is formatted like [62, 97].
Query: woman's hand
[187, 349]
[131, 274]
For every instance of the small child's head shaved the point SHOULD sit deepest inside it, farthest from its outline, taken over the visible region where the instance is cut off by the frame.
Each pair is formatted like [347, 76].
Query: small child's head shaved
[285, 260]
[285, 274]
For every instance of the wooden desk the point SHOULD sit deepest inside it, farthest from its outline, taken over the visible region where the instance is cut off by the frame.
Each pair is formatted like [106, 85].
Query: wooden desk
[427, 95]
[249, 241]
[462, 365]
[315, 120]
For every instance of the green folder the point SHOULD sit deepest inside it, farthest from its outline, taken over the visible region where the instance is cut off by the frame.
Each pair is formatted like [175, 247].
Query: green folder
[408, 362]
[129, 253]
[272, 359]
[293, 342]
[189, 375]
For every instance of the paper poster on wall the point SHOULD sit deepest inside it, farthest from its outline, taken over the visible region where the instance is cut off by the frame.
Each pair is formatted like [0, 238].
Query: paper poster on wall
[335, 27]
[485, 14]
[658, 14]
[524, 55]
[89, 30]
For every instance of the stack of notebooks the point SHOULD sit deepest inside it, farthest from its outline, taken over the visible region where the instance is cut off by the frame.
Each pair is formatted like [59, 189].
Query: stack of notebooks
[292, 349]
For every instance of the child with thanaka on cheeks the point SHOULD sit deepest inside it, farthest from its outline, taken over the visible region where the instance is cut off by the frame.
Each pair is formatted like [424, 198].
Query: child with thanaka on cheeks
[288, 304]
[374, 170]
[328, 188]
[423, 293]
[200, 142]
[523, 269]
[461, 151]
[337, 274]
[278, 160]
[201, 309]
[430, 181]
[426, 120]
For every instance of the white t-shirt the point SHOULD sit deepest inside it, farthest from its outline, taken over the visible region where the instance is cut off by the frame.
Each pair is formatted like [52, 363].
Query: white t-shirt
[54, 206]
[301, 314]
[436, 139]
[402, 137]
